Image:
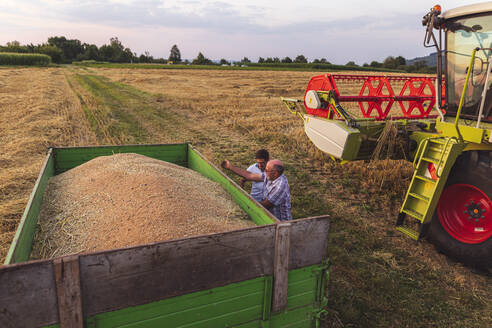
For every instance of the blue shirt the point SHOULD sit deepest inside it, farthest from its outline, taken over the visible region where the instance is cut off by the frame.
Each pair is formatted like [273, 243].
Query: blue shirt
[257, 186]
[278, 193]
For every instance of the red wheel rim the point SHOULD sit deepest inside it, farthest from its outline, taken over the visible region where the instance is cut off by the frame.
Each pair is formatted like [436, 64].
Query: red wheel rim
[465, 212]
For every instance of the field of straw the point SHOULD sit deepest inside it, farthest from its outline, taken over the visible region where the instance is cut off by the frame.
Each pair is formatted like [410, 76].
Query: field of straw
[379, 278]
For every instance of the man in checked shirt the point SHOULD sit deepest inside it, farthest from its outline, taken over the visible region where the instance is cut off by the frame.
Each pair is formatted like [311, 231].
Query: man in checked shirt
[276, 191]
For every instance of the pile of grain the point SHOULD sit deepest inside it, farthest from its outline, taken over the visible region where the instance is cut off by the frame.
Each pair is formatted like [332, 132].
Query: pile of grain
[129, 199]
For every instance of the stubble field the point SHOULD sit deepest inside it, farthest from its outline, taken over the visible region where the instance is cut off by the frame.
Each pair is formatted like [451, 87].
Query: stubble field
[379, 277]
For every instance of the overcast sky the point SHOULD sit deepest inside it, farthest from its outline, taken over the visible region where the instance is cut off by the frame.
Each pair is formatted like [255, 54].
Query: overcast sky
[340, 31]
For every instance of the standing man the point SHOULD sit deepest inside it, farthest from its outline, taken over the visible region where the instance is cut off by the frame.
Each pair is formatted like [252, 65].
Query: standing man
[262, 156]
[276, 190]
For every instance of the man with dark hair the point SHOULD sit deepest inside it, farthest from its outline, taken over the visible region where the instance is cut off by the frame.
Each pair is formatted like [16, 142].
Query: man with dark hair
[276, 191]
[262, 156]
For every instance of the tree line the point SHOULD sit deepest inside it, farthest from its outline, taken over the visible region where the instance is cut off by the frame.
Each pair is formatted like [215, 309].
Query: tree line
[63, 50]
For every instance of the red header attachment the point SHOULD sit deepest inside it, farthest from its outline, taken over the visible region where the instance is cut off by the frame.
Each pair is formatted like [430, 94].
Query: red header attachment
[416, 95]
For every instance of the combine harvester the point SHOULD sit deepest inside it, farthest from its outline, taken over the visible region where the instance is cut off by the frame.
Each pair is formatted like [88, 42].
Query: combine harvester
[449, 197]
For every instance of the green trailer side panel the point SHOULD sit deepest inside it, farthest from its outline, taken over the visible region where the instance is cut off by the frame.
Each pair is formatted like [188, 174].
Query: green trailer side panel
[230, 305]
[68, 158]
[20, 248]
[236, 305]
[296, 318]
[198, 163]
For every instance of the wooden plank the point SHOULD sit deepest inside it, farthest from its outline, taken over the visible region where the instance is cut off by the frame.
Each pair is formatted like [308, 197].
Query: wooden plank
[28, 295]
[309, 238]
[281, 266]
[127, 277]
[67, 278]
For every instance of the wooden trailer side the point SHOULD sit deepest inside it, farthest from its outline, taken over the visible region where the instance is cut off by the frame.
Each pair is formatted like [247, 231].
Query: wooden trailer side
[216, 279]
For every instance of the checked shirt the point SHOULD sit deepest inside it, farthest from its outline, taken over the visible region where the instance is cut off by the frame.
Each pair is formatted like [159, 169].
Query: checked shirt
[278, 193]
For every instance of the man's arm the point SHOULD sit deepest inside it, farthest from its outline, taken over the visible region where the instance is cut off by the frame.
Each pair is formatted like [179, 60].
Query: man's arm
[245, 174]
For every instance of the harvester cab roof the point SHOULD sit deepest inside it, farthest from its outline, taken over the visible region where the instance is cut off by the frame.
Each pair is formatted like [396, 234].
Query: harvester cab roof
[463, 43]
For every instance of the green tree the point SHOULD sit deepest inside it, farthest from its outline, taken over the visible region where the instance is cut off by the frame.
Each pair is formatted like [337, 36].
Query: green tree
[91, 52]
[223, 61]
[54, 52]
[351, 63]
[201, 60]
[245, 60]
[392, 62]
[71, 47]
[300, 59]
[324, 61]
[400, 61]
[15, 46]
[375, 64]
[116, 52]
[145, 58]
[261, 60]
[175, 55]
[287, 60]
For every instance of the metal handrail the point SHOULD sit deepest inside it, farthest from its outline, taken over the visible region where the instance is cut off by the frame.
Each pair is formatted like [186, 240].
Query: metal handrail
[462, 99]
[444, 150]
[484, 93]
[425, 141]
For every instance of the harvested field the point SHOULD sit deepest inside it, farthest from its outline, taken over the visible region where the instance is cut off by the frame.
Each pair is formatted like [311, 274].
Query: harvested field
[379, 278]
[38, 110]
[126, 200]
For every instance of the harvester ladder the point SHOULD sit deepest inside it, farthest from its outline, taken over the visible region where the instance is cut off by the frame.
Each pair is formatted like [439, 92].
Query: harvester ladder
[433, 162]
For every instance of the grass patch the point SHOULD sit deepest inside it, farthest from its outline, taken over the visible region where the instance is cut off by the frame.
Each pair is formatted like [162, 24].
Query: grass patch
[109, 108]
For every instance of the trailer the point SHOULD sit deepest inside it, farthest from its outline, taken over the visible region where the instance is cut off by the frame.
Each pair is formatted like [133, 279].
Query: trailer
[273, 275]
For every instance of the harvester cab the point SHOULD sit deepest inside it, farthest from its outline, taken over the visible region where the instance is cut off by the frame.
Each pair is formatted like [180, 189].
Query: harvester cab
[443, 124]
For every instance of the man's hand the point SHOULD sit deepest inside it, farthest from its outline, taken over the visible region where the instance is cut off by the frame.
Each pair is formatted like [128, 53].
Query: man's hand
[226, 164]
[267, 204]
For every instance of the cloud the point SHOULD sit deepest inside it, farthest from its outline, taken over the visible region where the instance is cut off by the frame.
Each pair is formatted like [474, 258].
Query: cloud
[221, 29]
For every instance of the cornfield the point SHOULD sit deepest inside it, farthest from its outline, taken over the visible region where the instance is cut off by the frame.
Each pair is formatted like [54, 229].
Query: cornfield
[8, 58]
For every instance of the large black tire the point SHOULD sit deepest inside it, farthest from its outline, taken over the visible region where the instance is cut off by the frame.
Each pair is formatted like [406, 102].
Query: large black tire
[472, 173]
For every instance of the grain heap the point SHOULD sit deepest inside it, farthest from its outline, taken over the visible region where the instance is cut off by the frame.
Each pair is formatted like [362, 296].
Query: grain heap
[126, 200]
